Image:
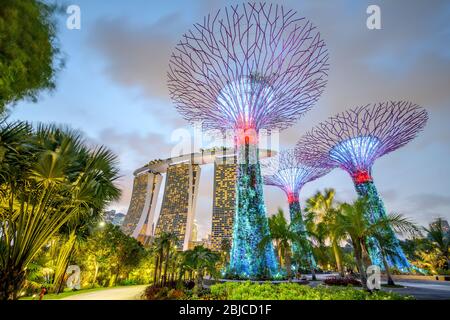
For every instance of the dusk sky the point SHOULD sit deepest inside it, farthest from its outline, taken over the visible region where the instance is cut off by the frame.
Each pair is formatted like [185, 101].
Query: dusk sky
[114, 89]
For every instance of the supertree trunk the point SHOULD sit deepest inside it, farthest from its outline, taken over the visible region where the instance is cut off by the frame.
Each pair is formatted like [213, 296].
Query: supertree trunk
[366, 188]
[248, 258]
[298, 226]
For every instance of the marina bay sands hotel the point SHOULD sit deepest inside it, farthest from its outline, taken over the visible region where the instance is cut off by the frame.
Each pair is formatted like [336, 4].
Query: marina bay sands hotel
[178, 206]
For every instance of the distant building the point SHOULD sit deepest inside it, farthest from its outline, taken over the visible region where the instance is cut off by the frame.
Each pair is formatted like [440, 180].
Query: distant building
[445, 225]
[108, 216]
[178, 206]
[224, 200]
[118, 219]
[182, 174]
[113, 217]
[138, 222]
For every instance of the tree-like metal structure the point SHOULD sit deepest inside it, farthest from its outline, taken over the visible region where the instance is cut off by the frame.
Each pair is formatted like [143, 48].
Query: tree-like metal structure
[288, 173]
[246, 68]
[353, 140]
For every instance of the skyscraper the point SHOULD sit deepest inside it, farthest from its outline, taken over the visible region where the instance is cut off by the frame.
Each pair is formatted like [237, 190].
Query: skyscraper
[224, 200]
[178, 206]
[138, 222]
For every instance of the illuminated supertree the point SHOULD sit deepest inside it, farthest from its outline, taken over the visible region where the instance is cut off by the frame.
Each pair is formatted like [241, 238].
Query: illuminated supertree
[246, 68]
[286, 172]
[353, 140]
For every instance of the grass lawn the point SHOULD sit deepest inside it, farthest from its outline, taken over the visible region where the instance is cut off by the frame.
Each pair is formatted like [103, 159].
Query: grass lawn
[66, 293]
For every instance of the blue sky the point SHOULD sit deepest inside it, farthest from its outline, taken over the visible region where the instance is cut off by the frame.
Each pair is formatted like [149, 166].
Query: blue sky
[113, 88]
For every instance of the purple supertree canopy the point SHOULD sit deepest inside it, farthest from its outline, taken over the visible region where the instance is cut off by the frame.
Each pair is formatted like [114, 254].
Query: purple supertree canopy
[250, 66]
[289, 174]
[354, 139]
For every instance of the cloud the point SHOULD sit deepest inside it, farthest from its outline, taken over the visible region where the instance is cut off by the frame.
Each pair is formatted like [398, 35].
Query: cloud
[429, 202]
[137, 56]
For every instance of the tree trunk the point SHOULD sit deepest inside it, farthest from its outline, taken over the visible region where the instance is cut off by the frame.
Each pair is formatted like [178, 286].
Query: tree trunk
[390, 281]
[166, 264]
[62, 262]
[160, 267]
[313, 272]
[337, 256]
[287, 259]
[155, 273]
[95, 272]
[198, 281]
[362, 272]
[358, 251]
[11, 281]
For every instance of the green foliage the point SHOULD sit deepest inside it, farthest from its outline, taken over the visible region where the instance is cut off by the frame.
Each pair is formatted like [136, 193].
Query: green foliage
[431, 252]
[49, 178]
[109, 256]
[293, 291]
[29, 53]
[201, 260]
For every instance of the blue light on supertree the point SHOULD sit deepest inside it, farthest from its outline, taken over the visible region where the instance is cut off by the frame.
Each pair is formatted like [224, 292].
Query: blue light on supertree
[246, 68]
[288, 173]
[353, 140]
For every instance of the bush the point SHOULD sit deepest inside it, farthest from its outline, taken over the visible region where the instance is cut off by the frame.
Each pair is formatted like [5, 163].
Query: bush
[129, 282]
[293, 291]
[342, 281]
[164, 293]
[173, 290]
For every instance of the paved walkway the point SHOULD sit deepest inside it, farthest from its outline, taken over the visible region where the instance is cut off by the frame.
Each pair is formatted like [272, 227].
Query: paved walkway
[123, 293]
[423, 290]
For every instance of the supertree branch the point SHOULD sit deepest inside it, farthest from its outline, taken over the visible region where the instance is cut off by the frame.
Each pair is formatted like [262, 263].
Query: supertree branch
[287, 172]
[354, 139]
[249, 66]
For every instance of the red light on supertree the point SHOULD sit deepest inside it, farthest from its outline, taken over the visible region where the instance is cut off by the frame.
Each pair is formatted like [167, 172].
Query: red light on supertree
[361, 176]
[292, 197]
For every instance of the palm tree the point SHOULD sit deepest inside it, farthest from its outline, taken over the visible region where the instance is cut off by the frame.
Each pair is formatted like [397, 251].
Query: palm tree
[283, 236]
[201, 260]
[321, 210]
[321, 203]
[225, 247]
[440, 240]
[49, 177]
[351, 220]
[163, 247]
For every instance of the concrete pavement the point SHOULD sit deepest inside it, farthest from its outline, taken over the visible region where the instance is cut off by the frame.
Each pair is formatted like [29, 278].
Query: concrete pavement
[121, 293]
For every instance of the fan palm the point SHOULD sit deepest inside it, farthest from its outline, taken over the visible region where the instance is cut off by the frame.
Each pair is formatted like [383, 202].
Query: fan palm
[48, 180]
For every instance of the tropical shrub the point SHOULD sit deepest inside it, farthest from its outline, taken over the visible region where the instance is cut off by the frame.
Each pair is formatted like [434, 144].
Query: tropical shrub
[342, 281]
[293, 291]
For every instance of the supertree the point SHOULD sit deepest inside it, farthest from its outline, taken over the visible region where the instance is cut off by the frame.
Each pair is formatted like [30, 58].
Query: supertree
[246, 68]
[288, 173]
[353, 140]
